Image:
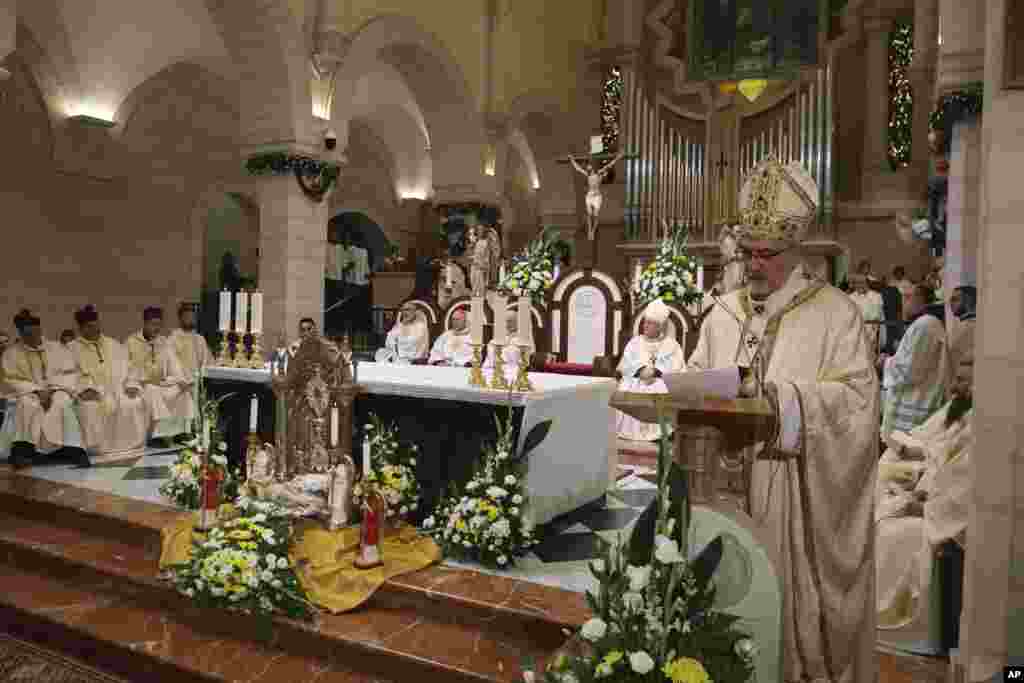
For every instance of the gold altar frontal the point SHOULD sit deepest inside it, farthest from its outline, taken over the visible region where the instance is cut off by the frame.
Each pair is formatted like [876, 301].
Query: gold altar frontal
[323, 559]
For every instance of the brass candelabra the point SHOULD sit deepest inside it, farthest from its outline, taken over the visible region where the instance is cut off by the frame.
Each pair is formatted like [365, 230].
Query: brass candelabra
[523, 383]
[224, 353]
[498, 380]
[476, 376]
[256, 354]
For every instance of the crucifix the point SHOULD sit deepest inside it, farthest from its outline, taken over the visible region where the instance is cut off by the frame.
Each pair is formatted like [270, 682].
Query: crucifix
[595, 173]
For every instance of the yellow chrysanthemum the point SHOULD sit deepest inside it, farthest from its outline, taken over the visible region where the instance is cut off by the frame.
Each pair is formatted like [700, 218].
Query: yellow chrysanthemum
[240, 534]
[686, 670]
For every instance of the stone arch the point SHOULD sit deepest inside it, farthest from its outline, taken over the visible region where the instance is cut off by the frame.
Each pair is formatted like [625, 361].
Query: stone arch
[374, 237]
[268, 47]
[156, 86]
[34, 130]
[455, 127]
[52, 68]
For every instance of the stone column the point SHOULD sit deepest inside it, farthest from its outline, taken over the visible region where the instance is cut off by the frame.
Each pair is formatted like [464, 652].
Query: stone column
[293, 230]
[8, 24]
[876, 97]
[922, 79]
[992, 623]
[961, 62]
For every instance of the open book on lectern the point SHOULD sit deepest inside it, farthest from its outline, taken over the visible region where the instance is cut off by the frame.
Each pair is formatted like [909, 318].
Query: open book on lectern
[691, 389]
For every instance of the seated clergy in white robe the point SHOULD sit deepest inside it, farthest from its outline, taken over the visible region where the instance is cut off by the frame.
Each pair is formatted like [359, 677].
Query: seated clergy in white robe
[113, 413]
[924, 489]
[510, 352]
[452, 347]
[190, 348]
[646, 357]
[155, 368]
[916, 376]
[408, 340]
[39, 380]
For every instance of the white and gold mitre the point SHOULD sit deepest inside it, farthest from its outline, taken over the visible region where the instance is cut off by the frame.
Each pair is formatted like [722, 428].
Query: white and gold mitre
[777, 203]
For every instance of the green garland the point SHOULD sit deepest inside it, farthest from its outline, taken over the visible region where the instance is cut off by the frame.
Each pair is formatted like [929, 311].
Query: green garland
[314, 176]
[955, 107]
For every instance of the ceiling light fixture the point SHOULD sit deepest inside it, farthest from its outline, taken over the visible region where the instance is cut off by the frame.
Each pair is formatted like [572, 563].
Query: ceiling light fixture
[86, 120]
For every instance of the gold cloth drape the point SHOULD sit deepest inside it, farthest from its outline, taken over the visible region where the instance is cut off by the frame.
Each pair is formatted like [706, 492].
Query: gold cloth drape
[323, 559]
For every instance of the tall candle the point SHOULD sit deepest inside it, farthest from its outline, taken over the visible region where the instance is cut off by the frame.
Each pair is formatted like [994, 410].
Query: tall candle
[449, 278]
[224, 324]
[476, 319]
[596, 144]
[700, 278]
[366, 456]
[334, 426]
[501, 272]
[554, 276]
[524, 318]
[500, 319]
[241, 309]
[206, 436]
[256, 307]
[636, 274]
[254, 413]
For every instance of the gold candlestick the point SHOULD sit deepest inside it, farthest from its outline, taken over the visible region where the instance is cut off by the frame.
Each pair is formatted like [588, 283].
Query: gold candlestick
[498, 380]
[256, 355]
[476, 376]
[238, 359]
[223, 355]
[523, 379]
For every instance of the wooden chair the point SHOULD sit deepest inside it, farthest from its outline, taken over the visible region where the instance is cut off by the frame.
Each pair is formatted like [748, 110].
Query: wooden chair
[592, 298]
[432, 313]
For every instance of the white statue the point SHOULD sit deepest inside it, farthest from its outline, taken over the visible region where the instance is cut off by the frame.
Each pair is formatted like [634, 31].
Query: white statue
[259, 467]
[480, 265]
[339, 499]
[595, 176]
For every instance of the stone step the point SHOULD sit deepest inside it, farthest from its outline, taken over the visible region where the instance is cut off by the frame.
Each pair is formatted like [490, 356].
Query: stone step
[129, 523]
[442, 622]
[390, 639]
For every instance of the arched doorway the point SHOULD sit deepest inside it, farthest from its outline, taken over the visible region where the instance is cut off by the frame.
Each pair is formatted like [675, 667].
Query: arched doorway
[349, 310]
[231, 252]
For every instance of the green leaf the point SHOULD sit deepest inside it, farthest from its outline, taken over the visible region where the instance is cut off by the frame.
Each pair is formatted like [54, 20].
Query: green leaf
[535, 437]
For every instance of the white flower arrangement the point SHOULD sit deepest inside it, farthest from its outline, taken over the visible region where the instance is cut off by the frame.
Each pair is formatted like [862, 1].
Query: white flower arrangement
[655, 622]
[183, 487]
[484, 521]
[672, 275]
[243, 565]
[392, 470]
[532, 272]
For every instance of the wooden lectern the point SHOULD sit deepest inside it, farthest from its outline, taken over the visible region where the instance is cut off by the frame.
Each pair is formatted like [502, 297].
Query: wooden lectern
[709, 434]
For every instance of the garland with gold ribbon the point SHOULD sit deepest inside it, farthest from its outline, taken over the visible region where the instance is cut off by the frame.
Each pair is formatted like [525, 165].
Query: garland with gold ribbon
[315, 177]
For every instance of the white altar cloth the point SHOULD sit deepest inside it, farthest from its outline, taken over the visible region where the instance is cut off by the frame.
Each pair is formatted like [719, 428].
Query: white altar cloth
[569, 469]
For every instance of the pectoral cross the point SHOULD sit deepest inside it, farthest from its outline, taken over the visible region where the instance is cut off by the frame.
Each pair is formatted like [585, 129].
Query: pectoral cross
[721, 165]
[753, 342]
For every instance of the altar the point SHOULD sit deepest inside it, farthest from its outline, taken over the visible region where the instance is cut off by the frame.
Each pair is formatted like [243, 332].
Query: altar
[449, 420]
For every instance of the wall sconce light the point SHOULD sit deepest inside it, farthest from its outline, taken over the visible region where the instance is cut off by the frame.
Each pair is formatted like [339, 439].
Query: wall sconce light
[490, 160]
[86, 120]
[752, 88]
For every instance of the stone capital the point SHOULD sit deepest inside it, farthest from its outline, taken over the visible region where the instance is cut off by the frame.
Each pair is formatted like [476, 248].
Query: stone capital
[957, 69]
[876, 25]
[608, 55]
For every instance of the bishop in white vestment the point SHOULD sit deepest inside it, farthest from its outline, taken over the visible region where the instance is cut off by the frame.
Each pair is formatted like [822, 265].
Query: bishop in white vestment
[111, 408]
[924, 491]
[453, 347]
[647, 356]
[812, 489]
[166, 388]
[408, 340]
[39, 380]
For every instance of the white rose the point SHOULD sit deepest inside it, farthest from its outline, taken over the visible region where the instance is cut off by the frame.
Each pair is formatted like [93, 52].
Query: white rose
[428, 523]
[668, 553]
[517, 499]
[641, 662]
[510, 480]
[638, 577]
[282, 563]
[597, 565]
[271, 560]
[635, 601]
[222, 446]
[513, 511]
[502, 560]
[594, 629]
[276, 583]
